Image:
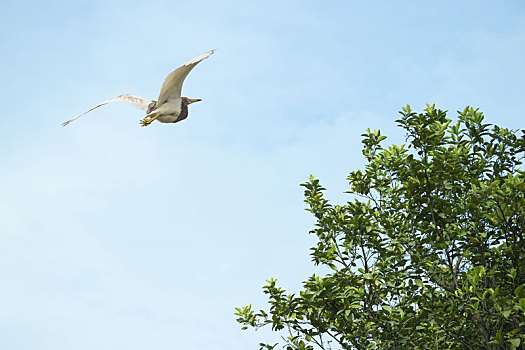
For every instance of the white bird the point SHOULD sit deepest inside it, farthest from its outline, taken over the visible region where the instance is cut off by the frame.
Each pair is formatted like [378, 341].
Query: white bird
[170, 107]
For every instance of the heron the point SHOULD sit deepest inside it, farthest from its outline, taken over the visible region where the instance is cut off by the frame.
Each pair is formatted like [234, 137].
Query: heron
[170, 107]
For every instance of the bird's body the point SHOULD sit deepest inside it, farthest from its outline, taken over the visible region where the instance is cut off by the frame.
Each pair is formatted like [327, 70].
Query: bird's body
[171, 111]
[170, 107]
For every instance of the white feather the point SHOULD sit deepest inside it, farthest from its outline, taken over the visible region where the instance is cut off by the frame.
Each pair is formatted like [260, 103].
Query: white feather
[137, 101]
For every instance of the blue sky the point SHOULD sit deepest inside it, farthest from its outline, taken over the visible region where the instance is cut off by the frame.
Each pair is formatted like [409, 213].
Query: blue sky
[114, 236]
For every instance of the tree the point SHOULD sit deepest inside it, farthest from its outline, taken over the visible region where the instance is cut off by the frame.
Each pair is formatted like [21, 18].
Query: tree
[429, 253]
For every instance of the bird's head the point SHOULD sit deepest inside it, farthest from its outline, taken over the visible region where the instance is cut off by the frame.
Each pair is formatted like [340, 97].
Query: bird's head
[191, 100]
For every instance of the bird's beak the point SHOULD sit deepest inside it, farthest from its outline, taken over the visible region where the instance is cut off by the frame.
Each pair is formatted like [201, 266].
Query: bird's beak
[192, 100]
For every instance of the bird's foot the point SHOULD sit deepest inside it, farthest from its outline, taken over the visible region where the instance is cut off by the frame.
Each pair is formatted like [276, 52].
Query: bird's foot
[146, 121]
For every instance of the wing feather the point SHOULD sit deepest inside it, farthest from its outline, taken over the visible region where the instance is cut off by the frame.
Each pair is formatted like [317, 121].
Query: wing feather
[137, 101]
[172, 86]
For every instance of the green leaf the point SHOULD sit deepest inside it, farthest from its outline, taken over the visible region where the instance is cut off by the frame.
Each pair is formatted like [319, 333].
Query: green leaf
[515, 342]
[519, 292]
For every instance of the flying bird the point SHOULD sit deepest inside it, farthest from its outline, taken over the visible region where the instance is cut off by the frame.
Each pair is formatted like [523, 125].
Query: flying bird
[170, 107]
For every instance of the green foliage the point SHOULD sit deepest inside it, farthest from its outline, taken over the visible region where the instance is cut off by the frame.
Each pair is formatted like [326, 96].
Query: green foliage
[429, 253]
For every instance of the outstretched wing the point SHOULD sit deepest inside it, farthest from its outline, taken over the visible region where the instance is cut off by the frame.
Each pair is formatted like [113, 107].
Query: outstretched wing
[137, 101]
[172, 86]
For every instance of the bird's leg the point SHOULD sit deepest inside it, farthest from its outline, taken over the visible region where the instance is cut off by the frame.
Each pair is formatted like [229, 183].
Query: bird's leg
[147, 120]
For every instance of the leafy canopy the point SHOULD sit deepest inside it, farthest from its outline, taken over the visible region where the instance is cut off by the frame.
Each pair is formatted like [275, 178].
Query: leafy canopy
[429, 253]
